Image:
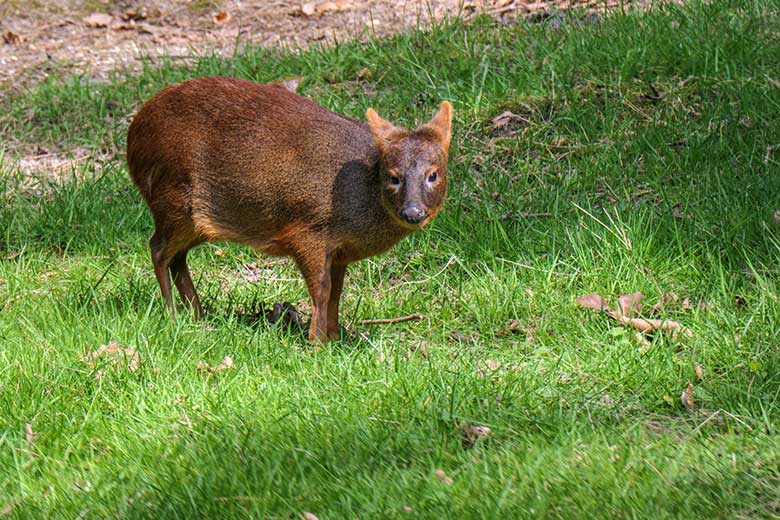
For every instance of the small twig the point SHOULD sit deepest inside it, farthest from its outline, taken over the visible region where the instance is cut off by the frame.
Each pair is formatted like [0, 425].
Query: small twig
[451, 261]
[511, 215]
[390, 321]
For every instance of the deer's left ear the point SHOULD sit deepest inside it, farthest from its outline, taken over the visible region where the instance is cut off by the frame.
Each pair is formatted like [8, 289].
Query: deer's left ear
[441, 124]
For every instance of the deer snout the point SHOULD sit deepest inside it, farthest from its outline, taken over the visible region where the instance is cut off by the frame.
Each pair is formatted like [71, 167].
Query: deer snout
[413, 214]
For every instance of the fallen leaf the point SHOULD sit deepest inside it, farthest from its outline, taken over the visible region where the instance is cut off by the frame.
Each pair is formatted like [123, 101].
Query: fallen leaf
[508, 123]
[11, 38]
[471, 433]
[96, 20]
[114, 352]
[492, 364]
[407, 509]
[648, 326]
[219, 252]
[442, 476]
[207, 369]
[687, 398]
[221, 17]
[459, 336]
[363, 73]
[593, 301]
[629, 304]
[28, 433]
[138, 13]
[421, 349]
[308, 516]
[317, 9]
[699, 371]
[642, 340]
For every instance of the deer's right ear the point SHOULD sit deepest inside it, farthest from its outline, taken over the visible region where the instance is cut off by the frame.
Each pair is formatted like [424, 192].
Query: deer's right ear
[384, 131]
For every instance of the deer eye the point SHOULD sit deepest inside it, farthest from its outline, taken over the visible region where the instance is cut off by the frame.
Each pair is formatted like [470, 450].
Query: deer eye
[432, 177]
[395, 181]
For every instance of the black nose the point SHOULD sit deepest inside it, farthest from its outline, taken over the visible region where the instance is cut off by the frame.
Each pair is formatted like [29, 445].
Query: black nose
[413, 214]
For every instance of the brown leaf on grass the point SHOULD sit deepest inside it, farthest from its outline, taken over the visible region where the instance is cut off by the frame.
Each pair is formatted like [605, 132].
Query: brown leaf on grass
[11, 38]
[442, 476]
[308, 516]
[96, 20]
[471, 433]
[207, 369]
[222, 17]
[699, 371]
[629, 304]
[687, 398]
[317, 9]
[508, 123]
[642, 340]
[29, 435]
[120, 356]
[593, 301]
[648, 325]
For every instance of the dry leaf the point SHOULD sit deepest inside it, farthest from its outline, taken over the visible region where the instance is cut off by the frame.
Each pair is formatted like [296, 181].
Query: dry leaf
[219, 252]
[471, 433]
[492, 364]
[508, 123]
[775, 215]
[687, 398]
[308, 516]
[642, 341]
[699, 371]
[221, 17]
[28, 433]
[442, 476]
[96, 20]
[593, 301]
[648, 326]
[139, 13]
[207, 369]
[629, 304]
[317, 9]
[120, 356]
[11, 38]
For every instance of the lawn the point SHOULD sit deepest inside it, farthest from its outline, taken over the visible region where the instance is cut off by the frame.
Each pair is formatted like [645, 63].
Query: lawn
[643, 155]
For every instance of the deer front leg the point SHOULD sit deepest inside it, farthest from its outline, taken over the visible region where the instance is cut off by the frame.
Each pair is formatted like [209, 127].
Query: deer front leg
[316, 271]
[337, 272]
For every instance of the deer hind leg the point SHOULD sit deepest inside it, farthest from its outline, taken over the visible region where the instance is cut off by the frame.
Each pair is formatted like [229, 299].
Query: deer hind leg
[161, 261]
[170, 244]
[183, 281]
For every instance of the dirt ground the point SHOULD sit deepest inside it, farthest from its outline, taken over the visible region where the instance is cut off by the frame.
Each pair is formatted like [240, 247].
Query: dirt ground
[99, 36]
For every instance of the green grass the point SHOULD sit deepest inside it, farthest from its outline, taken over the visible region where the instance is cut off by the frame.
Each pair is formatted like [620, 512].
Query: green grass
[611, 188]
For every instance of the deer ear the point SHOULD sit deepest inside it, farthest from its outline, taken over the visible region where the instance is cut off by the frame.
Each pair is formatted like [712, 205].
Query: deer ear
[441, 124]
[384, 131]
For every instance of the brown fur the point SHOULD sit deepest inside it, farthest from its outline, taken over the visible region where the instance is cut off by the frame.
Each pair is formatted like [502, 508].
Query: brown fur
[227, 159]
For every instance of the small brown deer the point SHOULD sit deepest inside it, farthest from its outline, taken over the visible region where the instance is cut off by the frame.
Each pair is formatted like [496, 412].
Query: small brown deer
[228, 159]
